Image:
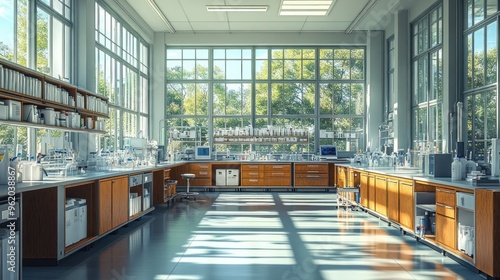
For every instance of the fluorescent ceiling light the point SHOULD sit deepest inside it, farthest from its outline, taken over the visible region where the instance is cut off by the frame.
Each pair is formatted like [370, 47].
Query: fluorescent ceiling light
[306, 7]
[236, 8]
[302, 13]
[162, 16]
[361, 16]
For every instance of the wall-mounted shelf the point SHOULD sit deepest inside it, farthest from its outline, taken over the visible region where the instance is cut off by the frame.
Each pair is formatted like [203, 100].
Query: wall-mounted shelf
[28, 87]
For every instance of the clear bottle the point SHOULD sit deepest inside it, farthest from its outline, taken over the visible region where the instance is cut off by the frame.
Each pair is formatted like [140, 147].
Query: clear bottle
[470, 165]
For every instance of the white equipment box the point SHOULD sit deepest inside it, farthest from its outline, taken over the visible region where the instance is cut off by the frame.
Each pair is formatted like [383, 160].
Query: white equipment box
[220, 177]
[232, 177]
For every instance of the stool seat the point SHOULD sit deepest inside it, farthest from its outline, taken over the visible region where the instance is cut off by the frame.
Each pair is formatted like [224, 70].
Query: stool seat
[187, 194]
[188, 176]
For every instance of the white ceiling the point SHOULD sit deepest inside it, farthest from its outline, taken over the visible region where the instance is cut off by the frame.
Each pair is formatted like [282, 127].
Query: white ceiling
[191, 16]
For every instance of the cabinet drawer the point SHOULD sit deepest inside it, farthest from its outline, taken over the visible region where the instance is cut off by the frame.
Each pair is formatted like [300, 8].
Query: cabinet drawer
[252, 167]
[277, 173]
[278, 168]
[466, 201]
[278, 181]
[311, 168]
[252, 182]
[166, 173]
[319, 180]
[445, 210]
[251, 174]
[193, 167]
[201, 173]
[200, 182]
[445, 196]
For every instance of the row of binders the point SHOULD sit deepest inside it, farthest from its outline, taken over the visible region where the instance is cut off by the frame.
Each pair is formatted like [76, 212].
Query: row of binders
[16, 81]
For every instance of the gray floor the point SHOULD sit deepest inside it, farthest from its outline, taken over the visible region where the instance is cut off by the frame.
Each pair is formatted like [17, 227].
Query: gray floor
[244, 235]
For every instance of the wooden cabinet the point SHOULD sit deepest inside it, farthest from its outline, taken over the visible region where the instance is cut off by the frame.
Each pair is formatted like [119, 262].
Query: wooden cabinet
[406, 204]
[252, 175]
[381, 195]
[311, 174]
[203, 173]
[266, 175]
[364, 182]
[341, 176]
[113, 203]
[393, 199]
[446, 229]
[488, 232]
[278, 175]
[371, 191]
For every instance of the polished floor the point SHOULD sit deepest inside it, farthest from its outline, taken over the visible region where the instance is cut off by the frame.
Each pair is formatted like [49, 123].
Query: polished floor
[244, 235]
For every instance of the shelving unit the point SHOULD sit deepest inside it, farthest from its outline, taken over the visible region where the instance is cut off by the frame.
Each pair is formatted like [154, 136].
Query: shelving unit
[386, 133]
[181, 138]
[29, 87]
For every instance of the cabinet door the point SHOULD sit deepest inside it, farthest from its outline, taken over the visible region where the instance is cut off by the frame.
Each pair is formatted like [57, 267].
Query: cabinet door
[393, 199]
[488, 231]
[105, 210]
[371, 191]
[363, 189]
[120, 201]
[446, 231]
[381, 195]
[406, 204]
[341, 177]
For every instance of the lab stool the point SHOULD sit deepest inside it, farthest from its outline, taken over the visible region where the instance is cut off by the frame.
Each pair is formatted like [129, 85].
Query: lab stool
[188, 193]
[344, 197]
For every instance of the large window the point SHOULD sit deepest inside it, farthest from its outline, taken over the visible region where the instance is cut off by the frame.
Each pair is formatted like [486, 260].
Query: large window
[122, 74]
[238, 87]
[50, 45]
[481, 59]
[427, 80]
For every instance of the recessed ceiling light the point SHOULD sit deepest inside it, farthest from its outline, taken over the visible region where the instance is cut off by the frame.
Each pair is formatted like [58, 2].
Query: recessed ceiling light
[236, 8]
[306, 7]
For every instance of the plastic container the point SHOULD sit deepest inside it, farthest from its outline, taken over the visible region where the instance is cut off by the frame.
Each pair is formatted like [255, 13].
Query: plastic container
[456, 170]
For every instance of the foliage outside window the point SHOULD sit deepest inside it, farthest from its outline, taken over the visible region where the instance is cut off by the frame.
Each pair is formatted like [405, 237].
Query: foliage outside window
[268, 86]
[427, 80]
[481, 57]
[122, 75]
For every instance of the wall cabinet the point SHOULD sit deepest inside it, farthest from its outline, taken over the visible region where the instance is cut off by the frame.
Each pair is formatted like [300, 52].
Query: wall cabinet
[113, 203]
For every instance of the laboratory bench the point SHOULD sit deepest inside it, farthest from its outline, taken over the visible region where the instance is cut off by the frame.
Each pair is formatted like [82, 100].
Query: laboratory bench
[456, 217]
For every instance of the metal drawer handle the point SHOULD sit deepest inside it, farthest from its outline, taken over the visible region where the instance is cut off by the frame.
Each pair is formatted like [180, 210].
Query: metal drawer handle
[277, 173]
[203, 172]
[445, 191]
[312, 176]
[253, 173]
[312, 171]
[392, 181]
[253, 180]
[312, 165]
[203, 166]
[445, 206]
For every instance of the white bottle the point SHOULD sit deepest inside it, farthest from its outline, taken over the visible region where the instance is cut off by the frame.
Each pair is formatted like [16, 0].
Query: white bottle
[456, 170]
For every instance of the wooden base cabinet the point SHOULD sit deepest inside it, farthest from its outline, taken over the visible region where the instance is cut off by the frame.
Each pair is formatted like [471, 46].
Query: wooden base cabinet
[393, 199]
[406, 204]
[364, 184]
[203, 174]
[446, 226]
[311, 175]
[381, 195]
[113, 203]
[488, 232]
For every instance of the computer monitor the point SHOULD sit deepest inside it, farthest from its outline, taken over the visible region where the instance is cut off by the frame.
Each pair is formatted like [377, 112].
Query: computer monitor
[327, 152]
[202, 152]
